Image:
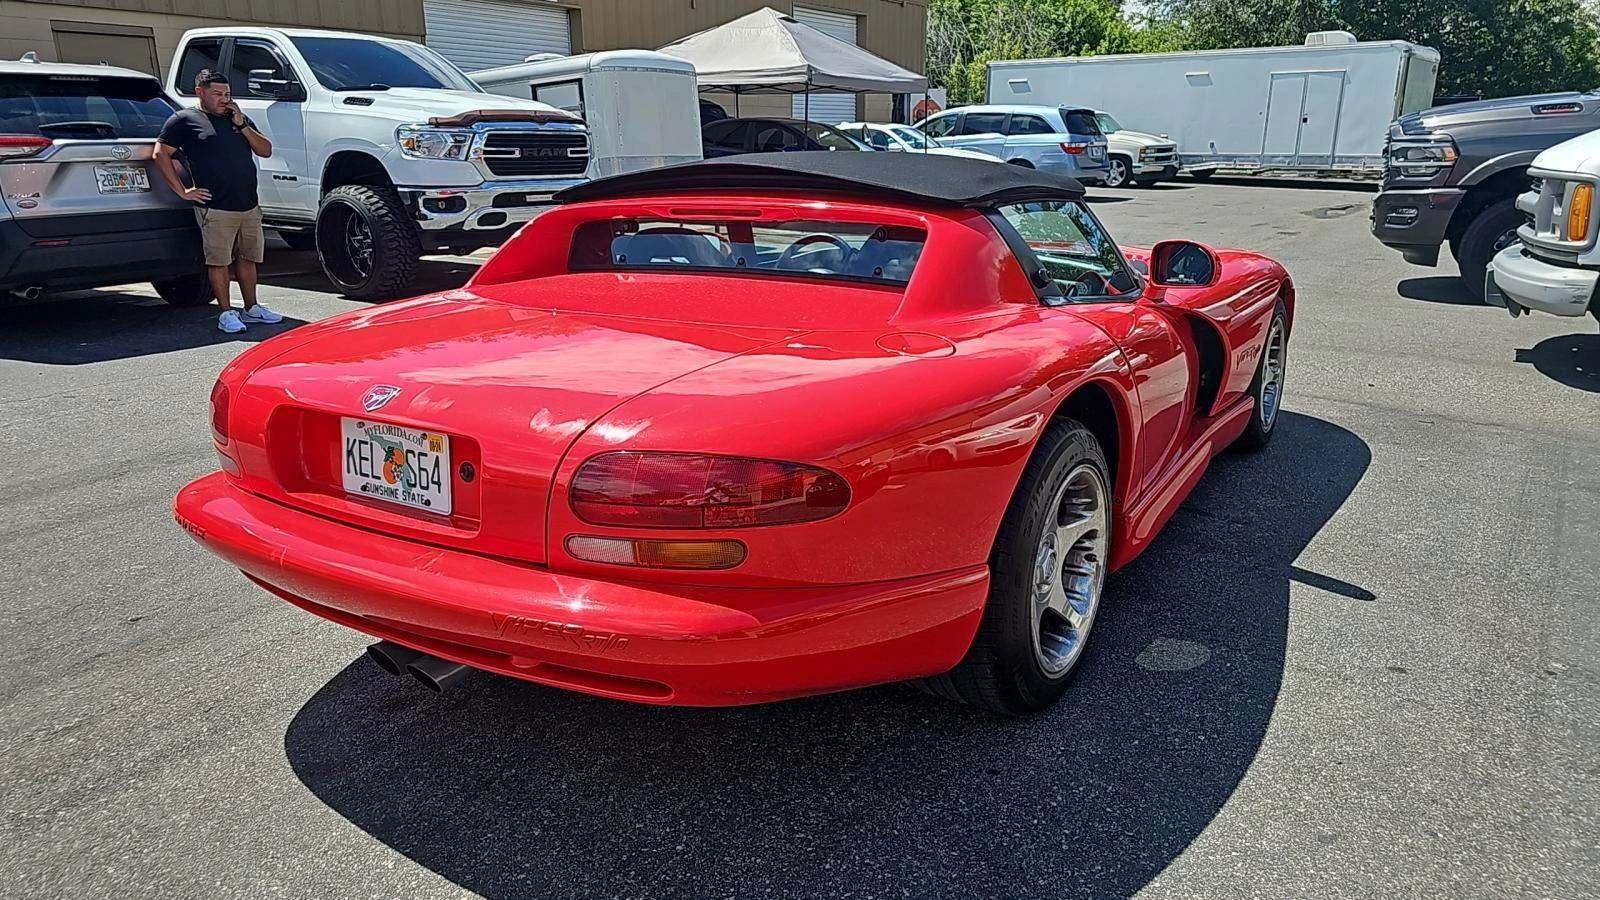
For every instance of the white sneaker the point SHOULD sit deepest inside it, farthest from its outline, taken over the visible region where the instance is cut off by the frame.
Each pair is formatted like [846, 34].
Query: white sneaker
[260, 313]
[229, 322]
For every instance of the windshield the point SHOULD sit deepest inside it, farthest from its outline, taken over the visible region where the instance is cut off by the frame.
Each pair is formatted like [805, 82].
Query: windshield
[86, 107]
[1074, 250]
[1107, 124]
[829, 138]
[914, 139]
[342, 64]
[814, 247]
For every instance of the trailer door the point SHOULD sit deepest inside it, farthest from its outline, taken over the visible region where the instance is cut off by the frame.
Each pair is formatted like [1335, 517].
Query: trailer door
[1302, 118]
[1281, 139]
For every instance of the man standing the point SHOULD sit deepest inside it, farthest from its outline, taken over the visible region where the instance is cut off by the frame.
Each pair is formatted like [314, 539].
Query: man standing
[217, 141]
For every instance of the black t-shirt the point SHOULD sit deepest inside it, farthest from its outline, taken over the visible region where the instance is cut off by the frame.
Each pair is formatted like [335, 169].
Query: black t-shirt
[218, 156]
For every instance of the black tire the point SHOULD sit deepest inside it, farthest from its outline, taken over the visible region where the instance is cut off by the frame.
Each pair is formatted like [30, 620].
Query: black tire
[1002, 671]
[1264, 417]
[388, 265]
[1115, 178]
[299, 240]
[1485, 236]
[1202, 174]
[185, 290]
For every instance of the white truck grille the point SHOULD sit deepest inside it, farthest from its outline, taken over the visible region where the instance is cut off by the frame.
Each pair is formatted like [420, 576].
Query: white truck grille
[1547, 207]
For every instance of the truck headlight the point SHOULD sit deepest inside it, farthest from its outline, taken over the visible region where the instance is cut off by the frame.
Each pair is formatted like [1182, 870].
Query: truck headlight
[426, 142]
[1578, 211]
[1420, 160]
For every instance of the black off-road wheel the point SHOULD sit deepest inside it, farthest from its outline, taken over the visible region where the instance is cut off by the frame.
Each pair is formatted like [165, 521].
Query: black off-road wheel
[1493, 229]
[1267, 387]
[1047, 571]
[368, 245]
[185, 290]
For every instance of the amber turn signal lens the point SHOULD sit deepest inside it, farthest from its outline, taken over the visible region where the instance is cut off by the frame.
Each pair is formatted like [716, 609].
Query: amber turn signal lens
[657, 554]
[1578, 211]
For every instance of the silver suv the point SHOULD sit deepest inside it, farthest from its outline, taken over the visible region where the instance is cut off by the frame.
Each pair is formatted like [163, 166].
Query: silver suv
[79, 204]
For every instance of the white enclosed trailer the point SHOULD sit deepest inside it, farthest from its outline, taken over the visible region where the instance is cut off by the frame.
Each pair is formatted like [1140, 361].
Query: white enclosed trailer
[642, 107]
[1322, 107]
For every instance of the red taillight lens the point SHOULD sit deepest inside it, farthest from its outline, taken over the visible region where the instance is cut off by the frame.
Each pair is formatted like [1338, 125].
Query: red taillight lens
[688, 490]
[1074, 147]
[18, 146]
[219, 412]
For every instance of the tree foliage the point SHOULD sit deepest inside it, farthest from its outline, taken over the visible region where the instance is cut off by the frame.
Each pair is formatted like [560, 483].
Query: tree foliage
[1490, 47]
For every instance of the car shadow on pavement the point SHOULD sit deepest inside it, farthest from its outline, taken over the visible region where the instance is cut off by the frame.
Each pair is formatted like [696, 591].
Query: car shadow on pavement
[102, 325]
[1572, 359]
[511, 789]
[1448, 289]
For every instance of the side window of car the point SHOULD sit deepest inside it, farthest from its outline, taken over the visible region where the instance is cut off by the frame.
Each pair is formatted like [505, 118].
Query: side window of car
[200, 54]
[1030, 125]
[941, 126]
[984, 123]
[772, 138]
[877, 139]
[728, 134]
[256, 56]
[1066, 241]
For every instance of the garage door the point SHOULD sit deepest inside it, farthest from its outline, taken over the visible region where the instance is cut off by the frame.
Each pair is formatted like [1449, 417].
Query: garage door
[483, 34]
[827, 107]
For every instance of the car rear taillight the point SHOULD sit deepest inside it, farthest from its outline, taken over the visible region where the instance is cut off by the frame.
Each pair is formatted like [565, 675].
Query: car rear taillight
[690, 490]
[1074, 147]
[219, 412]
[19, 146]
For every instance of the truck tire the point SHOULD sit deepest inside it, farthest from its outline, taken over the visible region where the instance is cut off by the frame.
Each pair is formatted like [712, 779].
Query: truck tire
[1493, 229]
[368, 246]
[1025, 653]
[185, 290]
[1119, 170]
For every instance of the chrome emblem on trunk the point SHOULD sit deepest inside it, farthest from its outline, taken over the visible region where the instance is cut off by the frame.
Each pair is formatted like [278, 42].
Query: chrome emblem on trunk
[377, 396]
[121, 151]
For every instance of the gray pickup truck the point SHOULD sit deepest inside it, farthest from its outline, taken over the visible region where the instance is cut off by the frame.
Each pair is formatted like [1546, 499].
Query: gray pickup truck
[1452, 174]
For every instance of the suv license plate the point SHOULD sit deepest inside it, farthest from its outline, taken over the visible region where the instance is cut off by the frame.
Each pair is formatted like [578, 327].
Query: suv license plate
[121, 179]
[1096, 151]
[398, 465]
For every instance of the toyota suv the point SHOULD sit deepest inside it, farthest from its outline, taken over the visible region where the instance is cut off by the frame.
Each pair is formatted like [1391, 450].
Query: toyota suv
[79, 207]
[1060, 139]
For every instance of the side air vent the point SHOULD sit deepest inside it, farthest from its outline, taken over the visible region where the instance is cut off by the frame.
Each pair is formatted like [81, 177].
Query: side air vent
[358, 101]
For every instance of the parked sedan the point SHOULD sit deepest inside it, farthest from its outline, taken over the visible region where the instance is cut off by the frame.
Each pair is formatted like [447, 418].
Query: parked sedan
[1059, 139]
[905, 139]
[727, 137]
[752, 428]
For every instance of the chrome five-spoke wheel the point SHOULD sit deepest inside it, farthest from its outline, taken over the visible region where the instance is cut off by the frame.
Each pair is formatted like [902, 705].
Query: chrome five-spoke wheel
[1069, 570]
[1272, 365]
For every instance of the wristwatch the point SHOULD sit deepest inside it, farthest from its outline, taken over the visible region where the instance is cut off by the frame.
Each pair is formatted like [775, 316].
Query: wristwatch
[248, 123]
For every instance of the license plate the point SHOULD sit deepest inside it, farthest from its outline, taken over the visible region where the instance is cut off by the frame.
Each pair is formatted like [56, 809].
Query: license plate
[1096, 151]
[405, 466]
[121, 179]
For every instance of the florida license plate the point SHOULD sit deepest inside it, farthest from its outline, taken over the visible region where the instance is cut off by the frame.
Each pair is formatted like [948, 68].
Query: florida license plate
[121, 179]
[398, 465]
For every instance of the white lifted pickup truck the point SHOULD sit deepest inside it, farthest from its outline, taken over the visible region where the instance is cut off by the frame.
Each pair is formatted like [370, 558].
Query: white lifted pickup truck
[382, 150]
[1554, 264]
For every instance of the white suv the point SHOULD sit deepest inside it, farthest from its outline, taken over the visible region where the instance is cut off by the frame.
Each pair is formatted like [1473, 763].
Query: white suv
[79, 207]
[382, 150]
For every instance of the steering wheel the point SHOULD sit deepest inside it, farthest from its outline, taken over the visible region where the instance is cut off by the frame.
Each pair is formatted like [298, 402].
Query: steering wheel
[793, 250]
[1092, 284]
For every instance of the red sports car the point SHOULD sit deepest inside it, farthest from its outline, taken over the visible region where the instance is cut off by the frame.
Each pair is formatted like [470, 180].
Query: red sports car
[749, 429]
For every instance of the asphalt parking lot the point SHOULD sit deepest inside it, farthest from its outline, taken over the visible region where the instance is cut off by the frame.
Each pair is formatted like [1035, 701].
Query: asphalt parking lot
[1362, 662]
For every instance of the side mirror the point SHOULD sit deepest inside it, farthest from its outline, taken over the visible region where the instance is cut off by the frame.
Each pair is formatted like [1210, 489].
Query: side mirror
[271, 83]
[1183, 264]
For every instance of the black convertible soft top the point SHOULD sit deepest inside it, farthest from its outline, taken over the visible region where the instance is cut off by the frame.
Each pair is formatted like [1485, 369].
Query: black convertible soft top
[918, 177]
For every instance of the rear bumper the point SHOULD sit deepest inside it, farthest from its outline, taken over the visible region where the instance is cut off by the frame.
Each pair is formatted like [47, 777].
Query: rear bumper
[1415, 222]
[648, 642]
[1531, 283]
[71, 252]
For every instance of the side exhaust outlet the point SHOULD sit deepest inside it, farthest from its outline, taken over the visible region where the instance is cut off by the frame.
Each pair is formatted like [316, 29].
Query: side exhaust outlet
[393, 658]
[436, 674]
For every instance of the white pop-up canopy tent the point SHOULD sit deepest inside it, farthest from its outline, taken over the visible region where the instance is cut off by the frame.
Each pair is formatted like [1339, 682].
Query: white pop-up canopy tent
[768, 52]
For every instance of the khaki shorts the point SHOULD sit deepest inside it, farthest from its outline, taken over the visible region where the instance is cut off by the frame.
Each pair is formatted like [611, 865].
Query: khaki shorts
[229, 235]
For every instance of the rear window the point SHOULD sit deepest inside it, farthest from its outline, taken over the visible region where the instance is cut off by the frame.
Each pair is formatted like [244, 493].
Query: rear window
[819, 248]
[85, 107]
[1080, 121]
